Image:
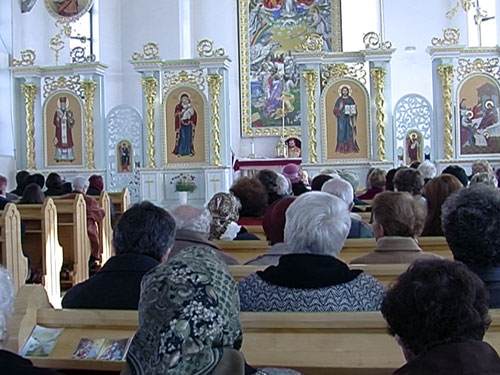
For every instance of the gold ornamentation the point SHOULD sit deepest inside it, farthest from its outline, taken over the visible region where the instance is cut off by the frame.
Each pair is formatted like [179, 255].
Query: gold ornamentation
[313, 43]
[51, 7]
[311, 79]
[374, 41]
[378, 76]
[446, 74]
[28, 57]
[150, 52]
[29, 92]
[77, 56]
[150, 85]
[57, 43]
[193, 78]
[214, 85]
[206, 48]
[333, 71]
[89, 89]
[490, 66]
[451, 37]
[71, 83]
[466, 5]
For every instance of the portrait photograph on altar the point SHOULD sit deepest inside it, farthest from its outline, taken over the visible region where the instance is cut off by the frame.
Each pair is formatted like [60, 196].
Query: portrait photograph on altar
[479, 124]
[346, 114]
[185, 126]
[63, 130]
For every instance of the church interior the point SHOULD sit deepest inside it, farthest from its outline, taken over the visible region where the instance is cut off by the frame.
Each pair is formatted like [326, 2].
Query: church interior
[223, 114]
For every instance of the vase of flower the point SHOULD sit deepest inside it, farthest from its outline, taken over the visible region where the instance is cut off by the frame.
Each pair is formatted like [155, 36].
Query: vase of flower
[183, 197]
[184, 184]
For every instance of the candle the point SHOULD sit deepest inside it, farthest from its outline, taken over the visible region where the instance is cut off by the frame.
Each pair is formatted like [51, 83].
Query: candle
[252, 147]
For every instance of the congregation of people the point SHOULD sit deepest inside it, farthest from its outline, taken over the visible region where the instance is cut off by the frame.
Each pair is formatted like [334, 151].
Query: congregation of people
[168, 265]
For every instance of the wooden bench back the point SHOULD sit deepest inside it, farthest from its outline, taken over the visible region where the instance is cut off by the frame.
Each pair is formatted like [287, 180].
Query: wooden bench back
[121, 202]
[12, 257]
[72, 225]
[105, 228]
[41, 243]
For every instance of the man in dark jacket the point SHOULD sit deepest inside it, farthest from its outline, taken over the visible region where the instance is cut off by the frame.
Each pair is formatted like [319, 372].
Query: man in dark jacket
[142, 239]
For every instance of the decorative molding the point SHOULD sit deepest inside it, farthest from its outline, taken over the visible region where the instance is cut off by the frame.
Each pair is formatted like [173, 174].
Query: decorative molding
[29, 91]
[150, 85]
[150, 52]
[468, 66]
[77, 56]
[446, 74]
[192, 78]
[71, 83]
[332, 71]
[214, 86]
[451, 37]
[413, 111]
[313, 43]
[89, 89]
[378, 76]
[311, 79]
[28, 57]
[374, 41]
[466, 5]
[57, 43]
[206, 48]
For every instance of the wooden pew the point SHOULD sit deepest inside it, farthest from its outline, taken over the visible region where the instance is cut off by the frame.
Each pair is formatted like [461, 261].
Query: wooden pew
[12, 254]
[313, 343]
[257, 230]
[41, 244]
[105, 228]
[385, 273]
[353, 248]
[121, 202]
[72, 225]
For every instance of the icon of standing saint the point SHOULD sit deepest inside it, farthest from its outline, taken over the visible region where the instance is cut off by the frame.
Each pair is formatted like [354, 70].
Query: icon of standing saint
[345, 111]
[185, 126]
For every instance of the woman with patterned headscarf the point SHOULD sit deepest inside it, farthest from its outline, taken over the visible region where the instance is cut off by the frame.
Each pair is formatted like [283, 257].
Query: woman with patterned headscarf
[189, 319]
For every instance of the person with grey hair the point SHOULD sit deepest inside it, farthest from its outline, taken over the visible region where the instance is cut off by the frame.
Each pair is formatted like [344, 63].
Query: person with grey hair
[483, 178]
[284, 186]
[343, 190]
[95, 214]
[470, 221]
[428, 170]
[353, 179]
[193, 229]
[312, 278]
[10, 362]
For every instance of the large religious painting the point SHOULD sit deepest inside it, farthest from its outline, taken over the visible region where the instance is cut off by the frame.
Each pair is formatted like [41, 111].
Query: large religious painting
[479, 125]
[124, 157]
[63, 130]
[414, 147]
[270, 30]
[346, 115]
[185, 126]
[68, 10]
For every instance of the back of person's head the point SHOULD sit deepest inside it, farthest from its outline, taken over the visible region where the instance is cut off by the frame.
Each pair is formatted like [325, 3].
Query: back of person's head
[144, 229]
[96, 182]
[224, 208]
[54, 181]
[36, 178]
[21, 177]
[274, 220]
[3, 185]
[80, 184]
[284, 185]
[458, 172]
[415, 165]
[436, 191]
[341, 189]
[317, 223]
[318, 181]
[398, 214]
[350, 177]
[484, 178]
[389, 179]
[269, 179]
[409, 180]
[6, 300]
[436, 302]
[196, 219]
[32, 195]
[292, 172]
[427, 169]
[367, 179]
[377, 178]
[252, 196]
[470, 221]
[481, 166]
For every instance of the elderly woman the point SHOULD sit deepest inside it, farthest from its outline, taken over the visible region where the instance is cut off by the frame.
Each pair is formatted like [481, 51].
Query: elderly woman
[188, 319]
[225, 211]
[398, 219]
[11, 363]
[409, 180]
[484, 178]
[438, 312]
[312, 278]
[436, 192]
[253, 198]
[270, 181]
[293, 173]
[428, 170]
[376, 184]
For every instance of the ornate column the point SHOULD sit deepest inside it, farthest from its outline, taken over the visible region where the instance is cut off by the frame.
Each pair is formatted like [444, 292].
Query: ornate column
[214, 86]
[89, 89]
[378, 77]
[150, 85]
[446, 74]
[29, 91]
[311, 80]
